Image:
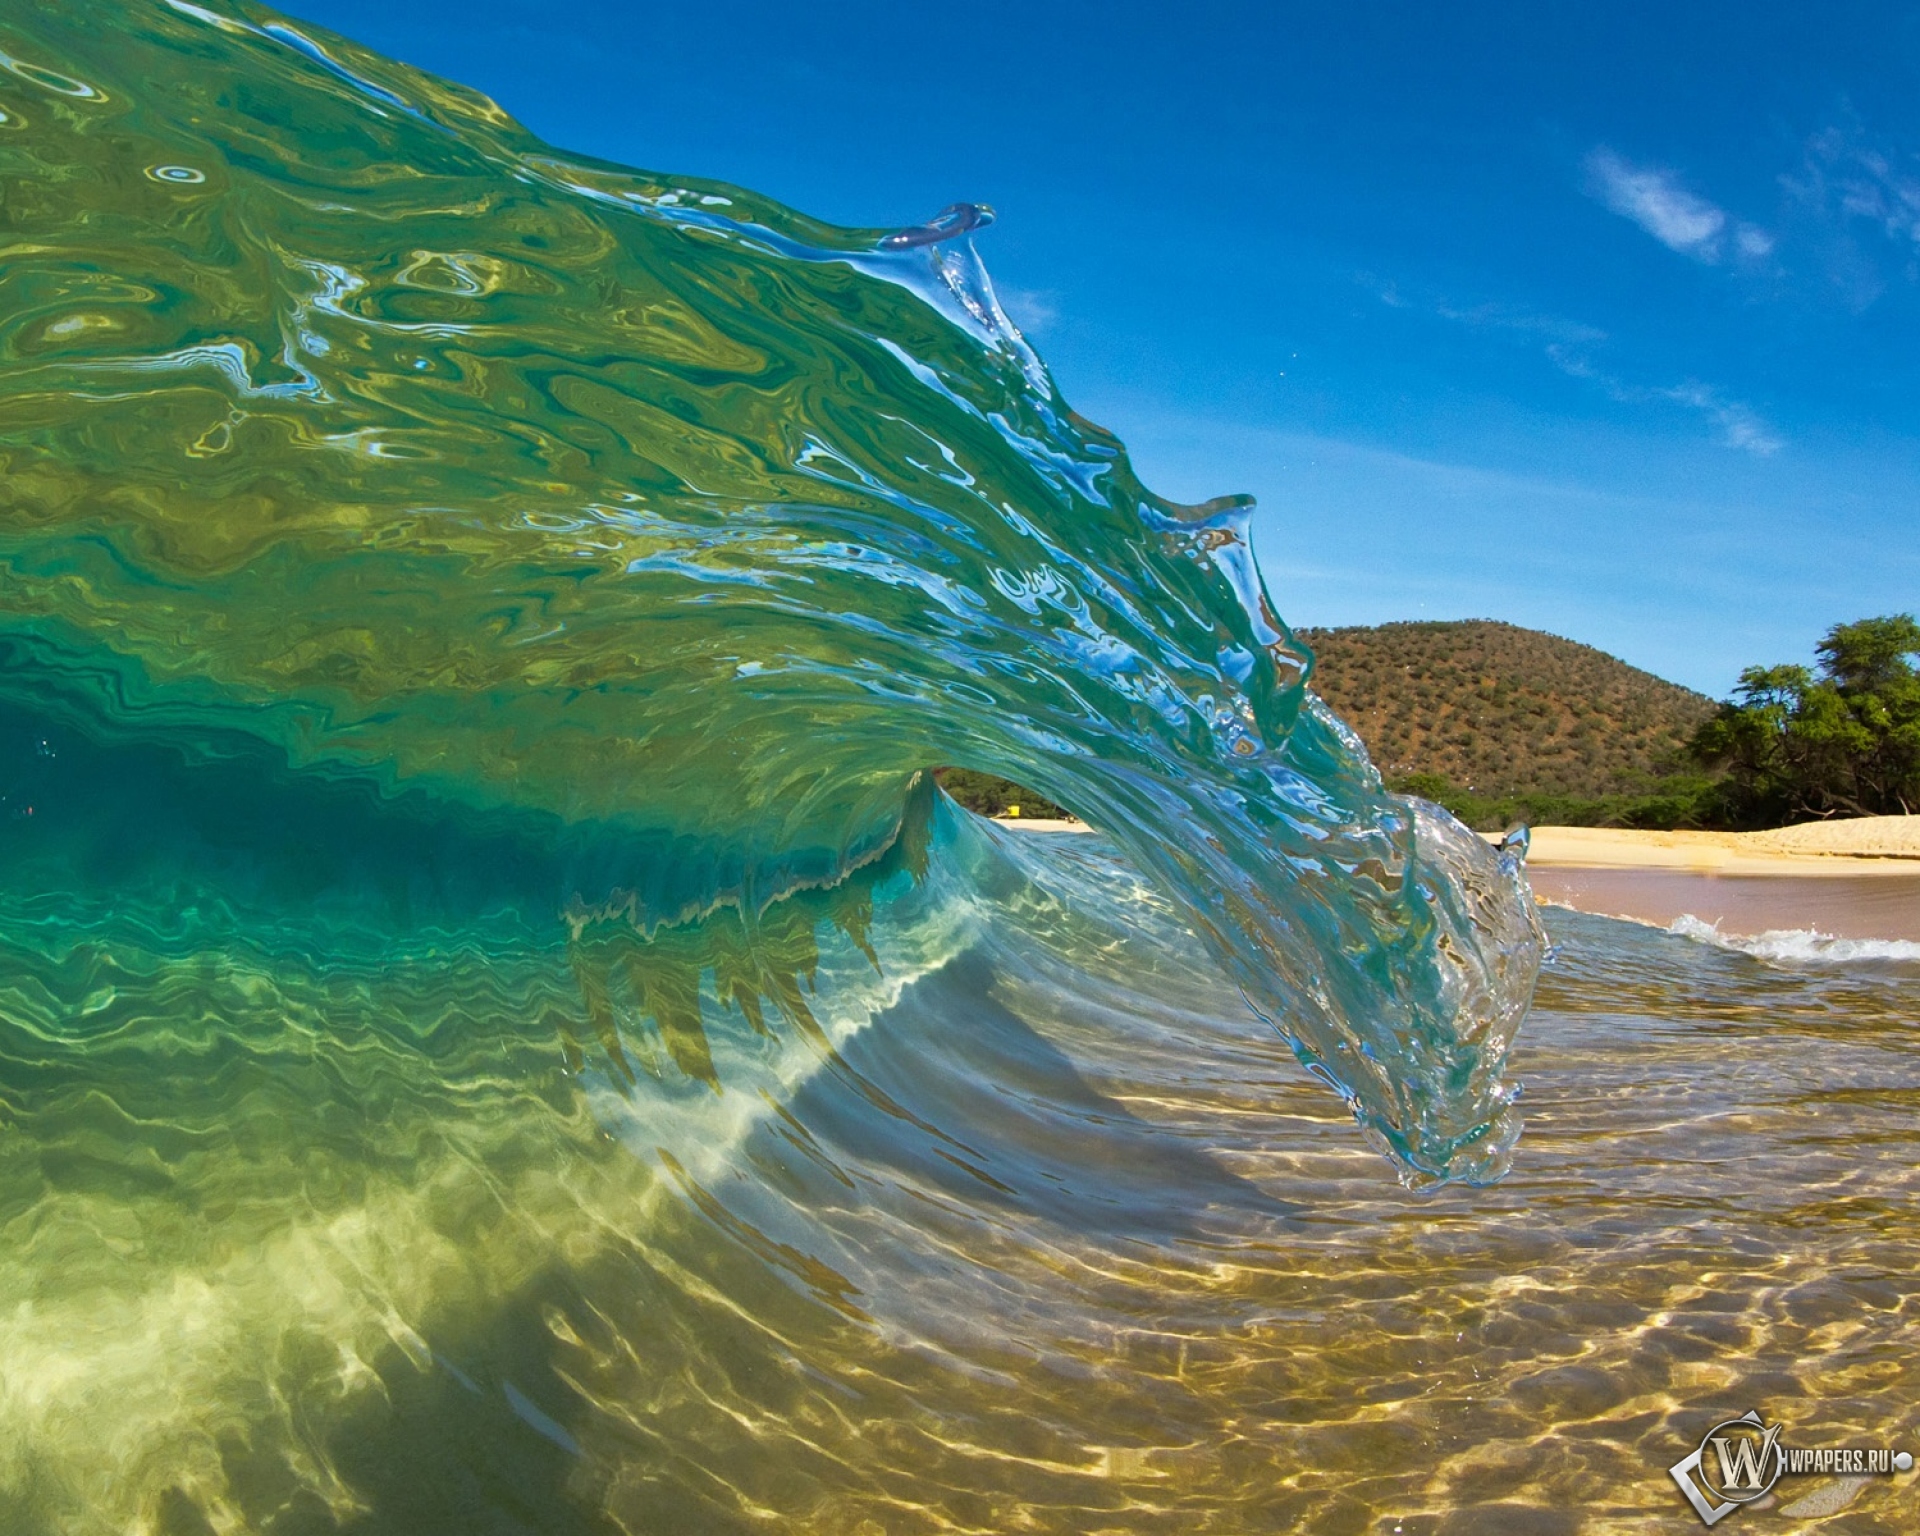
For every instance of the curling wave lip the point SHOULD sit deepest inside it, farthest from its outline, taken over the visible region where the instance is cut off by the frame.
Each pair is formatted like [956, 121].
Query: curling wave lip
[671, 532]
[951, 222]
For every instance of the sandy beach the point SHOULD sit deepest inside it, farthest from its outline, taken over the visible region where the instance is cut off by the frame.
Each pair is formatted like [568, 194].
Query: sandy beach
[1883, 845]
[1870, 845]
[1042, 824]
[1856, 879]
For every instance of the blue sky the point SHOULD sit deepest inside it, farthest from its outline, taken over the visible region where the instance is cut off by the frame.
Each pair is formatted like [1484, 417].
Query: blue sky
[1600, 319]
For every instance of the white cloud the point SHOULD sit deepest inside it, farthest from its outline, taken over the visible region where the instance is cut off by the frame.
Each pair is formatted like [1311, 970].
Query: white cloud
[1575, 366]
[1655, 200]
[1679, 219]
[1855, 203]
[1879, 190]
[1740, 425]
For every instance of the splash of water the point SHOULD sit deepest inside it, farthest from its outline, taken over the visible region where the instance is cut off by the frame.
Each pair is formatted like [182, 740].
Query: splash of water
[429, 539]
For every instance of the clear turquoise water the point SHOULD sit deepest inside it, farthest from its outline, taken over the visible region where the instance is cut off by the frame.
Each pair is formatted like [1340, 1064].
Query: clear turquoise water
[631, 543]
[1012, 1219]
[499, 1033]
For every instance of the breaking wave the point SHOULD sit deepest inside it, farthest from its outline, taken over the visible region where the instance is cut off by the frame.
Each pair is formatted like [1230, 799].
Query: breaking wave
[641, 540]
[1798, 946]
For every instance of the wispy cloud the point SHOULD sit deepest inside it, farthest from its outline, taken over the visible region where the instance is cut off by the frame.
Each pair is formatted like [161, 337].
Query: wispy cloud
[1681, 220]
[1512, 319]
[1520, 322]
[1569, 346]
[1740, 426]
[1655, 200]
[1857, 179]
[1855, 200]
[1034, 310]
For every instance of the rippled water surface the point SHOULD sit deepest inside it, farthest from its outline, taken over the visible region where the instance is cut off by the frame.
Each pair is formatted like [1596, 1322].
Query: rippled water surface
[1041, 1235]
[548, 537]
[499, 1032]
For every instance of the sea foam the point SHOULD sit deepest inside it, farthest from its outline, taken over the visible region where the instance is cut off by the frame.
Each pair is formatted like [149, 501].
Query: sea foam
[1797, 946]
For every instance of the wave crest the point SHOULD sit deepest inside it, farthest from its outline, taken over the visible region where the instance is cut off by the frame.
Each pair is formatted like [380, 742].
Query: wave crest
[666, 532]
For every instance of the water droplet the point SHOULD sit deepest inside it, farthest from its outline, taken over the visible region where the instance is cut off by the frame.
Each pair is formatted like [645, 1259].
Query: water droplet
[953, 220]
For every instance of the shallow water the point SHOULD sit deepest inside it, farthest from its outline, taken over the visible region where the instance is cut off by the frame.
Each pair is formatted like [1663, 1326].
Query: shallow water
[1882, 907]
[1019, 1239]
[498, 1032]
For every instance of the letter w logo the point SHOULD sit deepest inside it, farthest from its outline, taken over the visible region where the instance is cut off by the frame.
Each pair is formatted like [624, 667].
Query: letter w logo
[1743, 1462]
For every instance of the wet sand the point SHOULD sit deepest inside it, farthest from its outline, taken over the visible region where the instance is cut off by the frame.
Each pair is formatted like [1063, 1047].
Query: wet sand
[1857, 879]
[1838, 904]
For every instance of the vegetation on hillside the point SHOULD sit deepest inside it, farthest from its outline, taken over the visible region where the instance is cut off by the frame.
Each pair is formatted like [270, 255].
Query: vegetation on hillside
[1843, 740]
[1502, 724]
[986, 795]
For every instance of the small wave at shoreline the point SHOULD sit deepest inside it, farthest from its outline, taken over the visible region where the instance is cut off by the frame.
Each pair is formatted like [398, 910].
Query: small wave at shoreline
[1796, 945]
[1787, 946]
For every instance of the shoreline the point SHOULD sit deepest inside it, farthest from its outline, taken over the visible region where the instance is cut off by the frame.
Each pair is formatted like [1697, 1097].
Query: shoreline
[1039, 824]
[1866, 846]
[1827, 881]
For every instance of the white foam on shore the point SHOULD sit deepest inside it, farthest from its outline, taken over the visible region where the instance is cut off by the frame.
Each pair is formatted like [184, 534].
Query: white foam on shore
[1795, 945]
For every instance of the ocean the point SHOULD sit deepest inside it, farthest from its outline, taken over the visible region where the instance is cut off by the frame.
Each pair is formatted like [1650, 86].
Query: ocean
[1030, 1227]
[500, 1032]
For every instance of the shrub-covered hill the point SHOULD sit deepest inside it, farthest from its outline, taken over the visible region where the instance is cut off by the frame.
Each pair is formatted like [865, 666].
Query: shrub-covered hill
[1499, 711]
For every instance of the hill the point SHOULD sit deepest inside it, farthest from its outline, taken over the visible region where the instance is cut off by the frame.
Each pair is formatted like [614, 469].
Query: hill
[1501, 722]
[1498, 723]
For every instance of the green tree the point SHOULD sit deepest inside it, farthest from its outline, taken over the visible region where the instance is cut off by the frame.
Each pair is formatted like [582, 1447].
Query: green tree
[1842, 740]
[985, 794]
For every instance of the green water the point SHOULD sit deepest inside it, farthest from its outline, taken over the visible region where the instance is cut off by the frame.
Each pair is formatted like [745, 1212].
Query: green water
[1011, 1220]
[498, 1031]
[654, 530]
